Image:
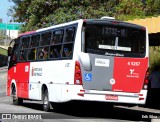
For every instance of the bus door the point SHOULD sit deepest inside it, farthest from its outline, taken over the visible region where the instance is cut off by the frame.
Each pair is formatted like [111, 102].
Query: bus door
[12, 62]
[18, 71]
[114, 58]
[23, 78]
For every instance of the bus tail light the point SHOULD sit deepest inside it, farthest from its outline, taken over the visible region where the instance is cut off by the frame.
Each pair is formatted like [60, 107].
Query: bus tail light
[78, 74]
[146, 80]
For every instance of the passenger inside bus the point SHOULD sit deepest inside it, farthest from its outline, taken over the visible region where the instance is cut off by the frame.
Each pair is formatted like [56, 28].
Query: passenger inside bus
[43, 54]
[67, 52]
[55, 53]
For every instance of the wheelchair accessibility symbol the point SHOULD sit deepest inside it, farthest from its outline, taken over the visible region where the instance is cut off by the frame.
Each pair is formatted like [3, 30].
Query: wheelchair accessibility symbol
[88, 77]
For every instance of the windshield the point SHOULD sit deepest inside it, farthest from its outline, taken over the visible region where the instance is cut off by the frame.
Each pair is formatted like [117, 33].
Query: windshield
[113, 40]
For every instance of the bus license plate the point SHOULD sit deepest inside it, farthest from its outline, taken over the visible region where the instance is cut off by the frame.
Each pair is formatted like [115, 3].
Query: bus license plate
[111, 97]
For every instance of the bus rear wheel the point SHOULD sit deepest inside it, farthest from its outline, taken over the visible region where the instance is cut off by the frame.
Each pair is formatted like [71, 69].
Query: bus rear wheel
[16, 100]
[46, 103]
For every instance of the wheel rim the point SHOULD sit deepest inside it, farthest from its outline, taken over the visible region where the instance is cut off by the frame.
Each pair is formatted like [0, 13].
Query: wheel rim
[45, 102]
[14, 94]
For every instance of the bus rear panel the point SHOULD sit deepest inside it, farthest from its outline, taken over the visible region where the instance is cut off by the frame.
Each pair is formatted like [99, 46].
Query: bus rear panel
[114, 61]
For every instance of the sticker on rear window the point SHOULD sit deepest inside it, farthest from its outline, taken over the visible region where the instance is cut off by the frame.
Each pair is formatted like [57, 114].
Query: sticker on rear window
[102, 62]
[88, 77]
[110, 47]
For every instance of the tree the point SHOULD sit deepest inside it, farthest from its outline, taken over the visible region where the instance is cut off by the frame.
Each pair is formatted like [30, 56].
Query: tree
[36, 14]
[152, 7]
[129, 9]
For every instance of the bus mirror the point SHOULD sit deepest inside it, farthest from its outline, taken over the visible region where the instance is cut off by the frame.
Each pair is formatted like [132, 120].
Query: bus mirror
[9, 51]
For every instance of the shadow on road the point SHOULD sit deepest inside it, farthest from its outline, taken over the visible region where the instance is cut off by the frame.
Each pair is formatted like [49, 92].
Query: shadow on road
[91, 110]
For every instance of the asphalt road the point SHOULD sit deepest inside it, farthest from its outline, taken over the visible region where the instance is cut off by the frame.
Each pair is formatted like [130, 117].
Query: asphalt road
[3, 78]
[94, 112]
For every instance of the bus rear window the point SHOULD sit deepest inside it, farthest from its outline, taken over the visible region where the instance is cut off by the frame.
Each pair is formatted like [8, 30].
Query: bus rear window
[112, 40]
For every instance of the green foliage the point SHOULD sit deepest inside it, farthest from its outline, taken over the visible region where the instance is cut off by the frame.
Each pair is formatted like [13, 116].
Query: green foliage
[129, 9]
[154, 57]
[152, 7]
[43, 13]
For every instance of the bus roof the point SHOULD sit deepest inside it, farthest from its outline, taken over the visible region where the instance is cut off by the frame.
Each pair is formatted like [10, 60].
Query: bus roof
[77, 21]
[91, 20]
[60, 25]
[26, 33]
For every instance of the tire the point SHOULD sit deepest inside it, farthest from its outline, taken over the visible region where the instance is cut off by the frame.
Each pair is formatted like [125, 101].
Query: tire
[16, 100]
[46, 103]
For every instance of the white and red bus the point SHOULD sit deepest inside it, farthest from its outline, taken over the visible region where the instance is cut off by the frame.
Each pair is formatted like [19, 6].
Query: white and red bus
[101, 60]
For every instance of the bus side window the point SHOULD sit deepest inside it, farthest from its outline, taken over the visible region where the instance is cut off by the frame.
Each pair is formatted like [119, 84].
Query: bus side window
[69, 35]
[22, 55]
[53, 54]
[43, 53]
[54, 40]
[67, 50]
[25, 42]
[14, 57]
[46, 37]
[58, 36]
[55, 51]
[32, 54]
[34, 40]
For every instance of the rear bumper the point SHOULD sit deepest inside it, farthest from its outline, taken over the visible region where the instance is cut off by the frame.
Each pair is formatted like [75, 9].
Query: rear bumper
[78, 93]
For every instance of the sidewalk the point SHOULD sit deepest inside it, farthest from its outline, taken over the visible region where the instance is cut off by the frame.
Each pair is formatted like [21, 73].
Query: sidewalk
[3, 68]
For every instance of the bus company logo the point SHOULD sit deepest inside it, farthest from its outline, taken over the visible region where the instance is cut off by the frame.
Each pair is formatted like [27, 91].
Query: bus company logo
[133, 74]
[36, 71]
[131, 71]
[32, 71]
